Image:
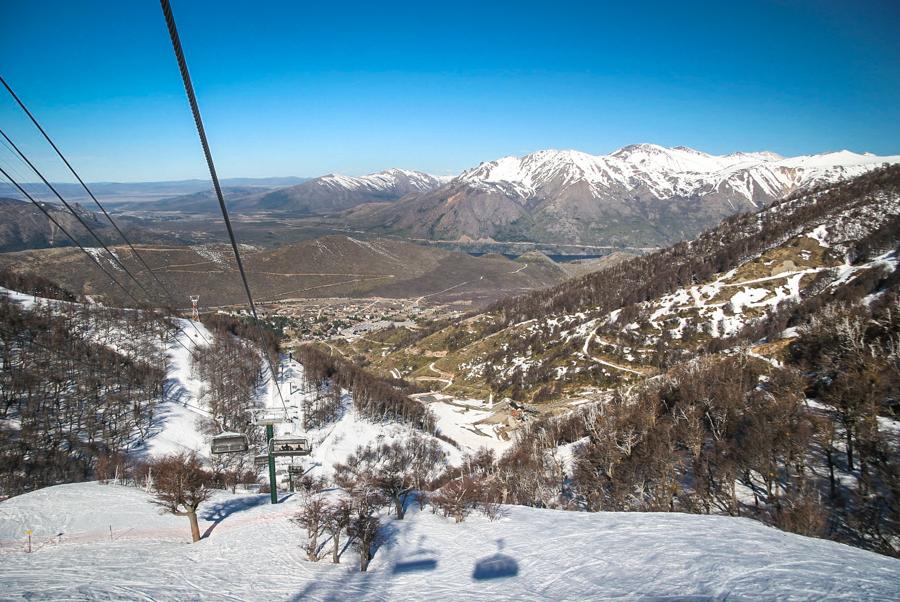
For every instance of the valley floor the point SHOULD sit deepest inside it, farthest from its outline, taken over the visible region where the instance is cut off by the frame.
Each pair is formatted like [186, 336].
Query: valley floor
[107, 542]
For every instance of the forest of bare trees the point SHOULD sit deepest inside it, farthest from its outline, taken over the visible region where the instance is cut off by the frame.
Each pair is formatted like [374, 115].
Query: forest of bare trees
[731, 433]
[68, 403]
[373, 397]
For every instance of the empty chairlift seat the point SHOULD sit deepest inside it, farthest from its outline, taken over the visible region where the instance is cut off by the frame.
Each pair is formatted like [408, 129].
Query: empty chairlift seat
[289, 446]
[229, 443]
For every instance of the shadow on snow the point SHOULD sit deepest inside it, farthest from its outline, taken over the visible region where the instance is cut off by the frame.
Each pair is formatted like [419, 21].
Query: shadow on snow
[495, 566]
[221, 510]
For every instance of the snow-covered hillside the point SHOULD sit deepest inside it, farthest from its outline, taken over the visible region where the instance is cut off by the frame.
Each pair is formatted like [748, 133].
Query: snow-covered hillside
[667, 172]
[185, 408]
[384, 181]
[335, 192]
[96, 541]
[334, 442]
[182, 417]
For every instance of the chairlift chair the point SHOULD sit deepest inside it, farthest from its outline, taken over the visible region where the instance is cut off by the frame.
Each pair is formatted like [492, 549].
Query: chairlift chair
[289, 446]
[269, 418]
[229, 443]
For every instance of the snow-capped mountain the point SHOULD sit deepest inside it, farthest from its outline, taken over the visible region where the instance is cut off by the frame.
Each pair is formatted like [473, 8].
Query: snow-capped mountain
[639, 195]
[385, 181]
[668, 172]
[334, 192]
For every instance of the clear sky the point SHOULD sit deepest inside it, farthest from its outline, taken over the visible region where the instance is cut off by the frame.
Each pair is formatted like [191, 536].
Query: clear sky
[307, 88]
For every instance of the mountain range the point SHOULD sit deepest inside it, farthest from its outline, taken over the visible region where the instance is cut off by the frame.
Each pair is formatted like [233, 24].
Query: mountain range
[639, 195]
[642, 195]
[326, 194]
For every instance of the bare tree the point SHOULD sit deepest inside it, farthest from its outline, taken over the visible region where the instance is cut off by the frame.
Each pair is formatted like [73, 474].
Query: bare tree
[456, 498]
[337, 518]
[180, 486]
[313, 518]
[363, 528]
[395, 469]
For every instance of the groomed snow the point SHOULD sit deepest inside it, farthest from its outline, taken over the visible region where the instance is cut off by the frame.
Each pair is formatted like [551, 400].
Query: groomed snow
[459, 423]
[182, 411]
[253, 552]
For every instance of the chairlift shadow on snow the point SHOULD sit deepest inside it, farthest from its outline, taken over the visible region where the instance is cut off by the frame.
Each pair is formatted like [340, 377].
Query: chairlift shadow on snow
[495, 566]
[420, 559]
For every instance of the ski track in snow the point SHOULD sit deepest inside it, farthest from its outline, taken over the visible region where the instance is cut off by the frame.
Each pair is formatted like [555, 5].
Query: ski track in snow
[254, 553]
[182, 409]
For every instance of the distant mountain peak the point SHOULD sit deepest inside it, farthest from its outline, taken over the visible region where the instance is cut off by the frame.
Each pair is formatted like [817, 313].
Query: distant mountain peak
[640, 195]
[647, 147]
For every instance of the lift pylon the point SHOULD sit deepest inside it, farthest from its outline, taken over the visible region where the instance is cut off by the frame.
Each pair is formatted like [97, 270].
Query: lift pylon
[195, 312]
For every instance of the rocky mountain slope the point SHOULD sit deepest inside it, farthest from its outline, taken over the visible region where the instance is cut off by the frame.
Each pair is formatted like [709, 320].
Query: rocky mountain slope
[334, 192]
[640, 195]
[325, 194]
[635, 316]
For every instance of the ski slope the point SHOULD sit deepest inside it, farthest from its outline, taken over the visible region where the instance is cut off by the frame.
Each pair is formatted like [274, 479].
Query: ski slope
[252, 552]
[182, 411]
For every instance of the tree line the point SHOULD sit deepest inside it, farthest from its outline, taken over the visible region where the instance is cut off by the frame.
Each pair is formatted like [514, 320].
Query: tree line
[374, 397]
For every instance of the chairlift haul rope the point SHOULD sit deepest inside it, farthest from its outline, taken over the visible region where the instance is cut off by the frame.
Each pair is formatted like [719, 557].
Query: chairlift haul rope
[81, 221]
[64, 231]
[83, 185]
[198, 121]
[16, 151]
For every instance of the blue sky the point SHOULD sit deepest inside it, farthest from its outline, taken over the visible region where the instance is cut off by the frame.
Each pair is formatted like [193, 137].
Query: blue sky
[307, 88]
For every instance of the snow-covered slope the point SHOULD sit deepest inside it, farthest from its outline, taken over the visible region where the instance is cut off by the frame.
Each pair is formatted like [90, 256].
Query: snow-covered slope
[334, 442]
[182, 411]
[334, 192]
[666, 172]
[108, 542]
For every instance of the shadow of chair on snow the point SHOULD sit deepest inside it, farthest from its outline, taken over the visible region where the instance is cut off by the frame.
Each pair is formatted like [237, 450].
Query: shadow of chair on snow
[420, 559]
[495, 566]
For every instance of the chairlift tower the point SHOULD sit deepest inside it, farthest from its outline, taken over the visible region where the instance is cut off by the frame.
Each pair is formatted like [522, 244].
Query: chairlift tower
[291, 445]
[195, 312]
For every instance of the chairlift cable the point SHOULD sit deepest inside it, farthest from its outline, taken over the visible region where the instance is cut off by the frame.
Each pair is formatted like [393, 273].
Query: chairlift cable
[198, 122]
[94, 198]
[75, 213]
[69, 236]
[93, 259]
[83, 185]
